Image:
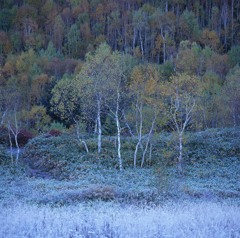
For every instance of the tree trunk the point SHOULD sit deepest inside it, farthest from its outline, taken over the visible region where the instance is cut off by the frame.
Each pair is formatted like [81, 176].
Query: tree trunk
[134, 38]
[118, 133]
[11, 147]
[180, 159]
[148, 140]
[135, 154]
[141, 44]
[15, 132]
[79, 138]
[99, 126]
[139, 130]
[18, 149]
[150, 154]
[119, 142]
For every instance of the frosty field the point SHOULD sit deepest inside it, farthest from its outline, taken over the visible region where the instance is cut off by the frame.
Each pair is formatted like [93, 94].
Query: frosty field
[187, 219]
[60, 192]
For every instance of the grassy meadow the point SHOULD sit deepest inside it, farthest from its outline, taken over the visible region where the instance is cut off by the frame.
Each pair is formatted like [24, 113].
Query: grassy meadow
[57, 190]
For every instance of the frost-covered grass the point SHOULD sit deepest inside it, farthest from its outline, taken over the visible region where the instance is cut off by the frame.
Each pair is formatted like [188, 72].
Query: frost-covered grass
[188, 219]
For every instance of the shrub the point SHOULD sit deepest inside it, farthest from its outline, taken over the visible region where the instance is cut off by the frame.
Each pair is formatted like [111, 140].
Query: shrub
[3, 135]
[104, 193]
[54, 132]
[24, 136]
[4, 158]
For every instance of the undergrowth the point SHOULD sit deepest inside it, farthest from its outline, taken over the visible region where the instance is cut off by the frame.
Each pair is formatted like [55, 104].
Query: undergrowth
[57, 170]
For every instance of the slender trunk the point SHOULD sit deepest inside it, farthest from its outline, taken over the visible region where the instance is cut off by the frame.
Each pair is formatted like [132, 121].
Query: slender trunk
[166, 6]
[145, 41]
[127, 125]
[150, 154]
[139, 130]
[125, 39]
[164, 51]
[2, 120]
[15, 136]
[141, 44]
[135, 154]
[18, 149]
[99, 126]
[11, 147]
[96, 127]
[232, 22]
[164, 46]
[134, 38]
[180, 153]
[234, 117]
[15, 133]
[148, 140]
[119, 142]
[79, 138]
[118, 133]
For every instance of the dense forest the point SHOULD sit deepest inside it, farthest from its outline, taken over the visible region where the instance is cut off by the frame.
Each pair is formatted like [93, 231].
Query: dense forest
[119, 67]
[120, 118]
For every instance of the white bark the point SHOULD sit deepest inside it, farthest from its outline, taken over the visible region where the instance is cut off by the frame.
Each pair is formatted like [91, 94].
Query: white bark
[127, 125]
[141, 44]
[139, 131]
[11, 147]
[179, 123]
[118, 141]
[180, 159]
[99, 125]
[15, 132]
[116, 117]
[3, 116]
[78, 136]
[148, 140]
[150, 154]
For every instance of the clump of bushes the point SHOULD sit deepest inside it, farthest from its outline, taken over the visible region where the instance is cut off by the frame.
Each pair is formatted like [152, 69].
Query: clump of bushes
[24, 136]
[49, 155]
[54, 132]
[3, 135]
[213, 143]
[4, 158]
[105, 193]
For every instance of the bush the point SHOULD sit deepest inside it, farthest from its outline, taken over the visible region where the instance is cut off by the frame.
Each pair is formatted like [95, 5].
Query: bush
[4, 158]
[104, 193]
[54, 132]
[24, 136]
[3, 135]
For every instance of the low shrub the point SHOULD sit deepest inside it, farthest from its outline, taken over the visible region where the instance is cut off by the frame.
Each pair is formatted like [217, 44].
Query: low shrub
[24, 136]
[104, 193]
[4, 157]
[54, 132]
[3, 135]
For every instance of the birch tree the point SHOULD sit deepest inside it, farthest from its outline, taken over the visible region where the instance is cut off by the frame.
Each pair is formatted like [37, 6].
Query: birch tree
[116, 86]
[145, 91]
[92, 82]
[182, 92]
[11, 121]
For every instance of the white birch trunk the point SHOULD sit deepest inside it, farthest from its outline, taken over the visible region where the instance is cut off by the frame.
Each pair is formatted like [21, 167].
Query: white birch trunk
[148, 140]
[118, 132]
[99, 126]
[141, 43]
[180, 159]
[15, 133]
[139, 130]
[78, 136]
[11, 147]
[119, 142]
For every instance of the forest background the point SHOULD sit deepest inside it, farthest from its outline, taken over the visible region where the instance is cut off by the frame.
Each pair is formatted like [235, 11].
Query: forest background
[119, 67]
